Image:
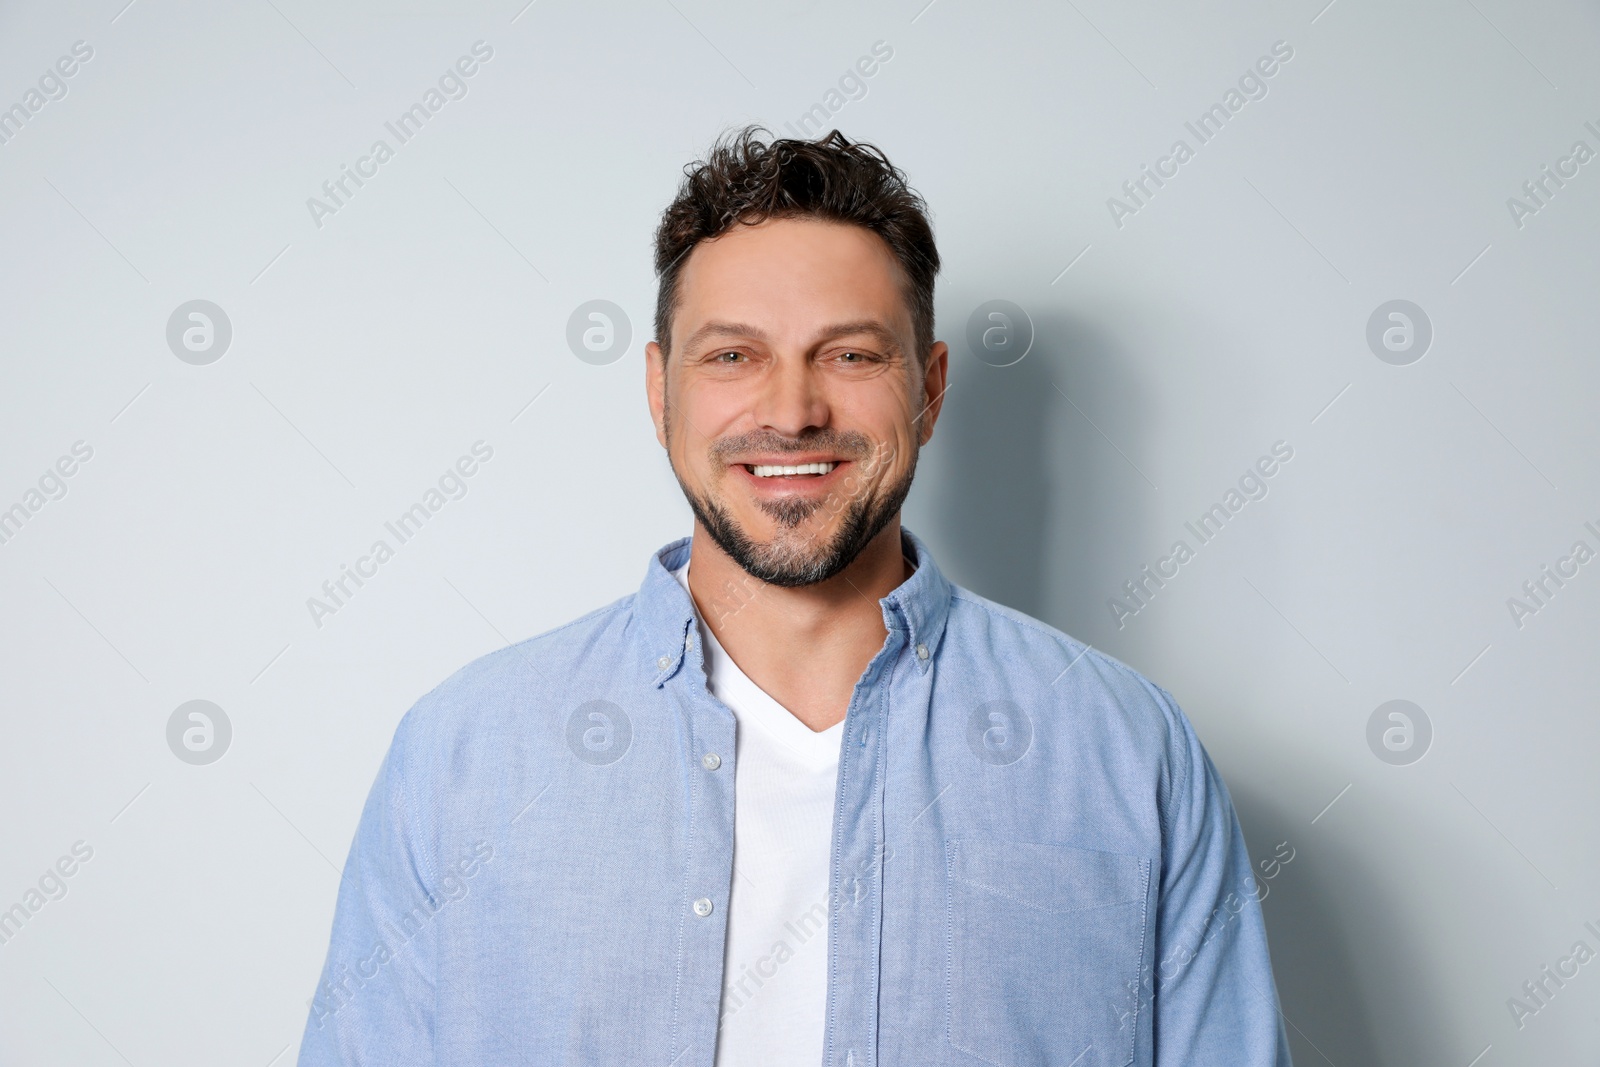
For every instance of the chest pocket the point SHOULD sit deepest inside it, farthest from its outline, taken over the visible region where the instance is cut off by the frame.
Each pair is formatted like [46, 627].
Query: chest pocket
[1045, 945]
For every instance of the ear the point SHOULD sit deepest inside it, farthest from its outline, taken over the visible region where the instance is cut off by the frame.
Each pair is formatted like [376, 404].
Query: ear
[935, 380]
[655, 387]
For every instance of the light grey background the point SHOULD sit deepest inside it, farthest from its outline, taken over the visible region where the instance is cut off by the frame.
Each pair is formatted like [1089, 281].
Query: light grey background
[1172, 351]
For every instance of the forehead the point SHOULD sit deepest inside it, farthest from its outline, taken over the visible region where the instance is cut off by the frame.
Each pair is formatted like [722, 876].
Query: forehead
[792, 275]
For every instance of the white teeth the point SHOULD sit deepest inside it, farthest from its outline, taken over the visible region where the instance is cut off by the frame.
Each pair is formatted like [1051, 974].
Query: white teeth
[775, 470]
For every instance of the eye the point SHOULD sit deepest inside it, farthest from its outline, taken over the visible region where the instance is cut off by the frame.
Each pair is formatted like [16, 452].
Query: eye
[853, 357]
[729, 356]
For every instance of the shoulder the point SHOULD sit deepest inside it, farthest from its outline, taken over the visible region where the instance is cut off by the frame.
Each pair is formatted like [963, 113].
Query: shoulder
[514, 689]
[1064, 677]
[978, 620]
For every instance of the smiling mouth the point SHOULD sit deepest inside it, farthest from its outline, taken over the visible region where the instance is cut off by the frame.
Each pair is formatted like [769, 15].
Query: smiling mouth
[768, 470]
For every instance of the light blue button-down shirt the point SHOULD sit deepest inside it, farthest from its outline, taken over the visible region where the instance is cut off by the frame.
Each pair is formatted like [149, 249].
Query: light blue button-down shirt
[1034, 861]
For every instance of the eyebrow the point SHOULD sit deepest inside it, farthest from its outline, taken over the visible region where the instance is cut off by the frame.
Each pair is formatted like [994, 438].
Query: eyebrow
[882, 334]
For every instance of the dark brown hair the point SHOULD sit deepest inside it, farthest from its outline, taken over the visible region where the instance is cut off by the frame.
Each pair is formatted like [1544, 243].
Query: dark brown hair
[745, 180]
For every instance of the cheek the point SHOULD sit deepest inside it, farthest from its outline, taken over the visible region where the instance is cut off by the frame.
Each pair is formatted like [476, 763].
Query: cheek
[704, 410]
[888, 464]
[884, 409]
[900, 467]
[695, 419]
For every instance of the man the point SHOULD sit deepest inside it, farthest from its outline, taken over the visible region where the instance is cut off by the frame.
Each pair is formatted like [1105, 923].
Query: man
[799, 800]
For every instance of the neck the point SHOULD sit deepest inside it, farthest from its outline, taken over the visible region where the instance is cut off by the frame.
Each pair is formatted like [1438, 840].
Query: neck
[806, 647]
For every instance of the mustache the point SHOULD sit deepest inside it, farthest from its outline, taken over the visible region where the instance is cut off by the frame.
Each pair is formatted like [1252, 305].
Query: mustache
[849, 444]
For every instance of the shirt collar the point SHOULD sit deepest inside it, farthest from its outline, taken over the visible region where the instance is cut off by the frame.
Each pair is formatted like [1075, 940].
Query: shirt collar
[918, 607]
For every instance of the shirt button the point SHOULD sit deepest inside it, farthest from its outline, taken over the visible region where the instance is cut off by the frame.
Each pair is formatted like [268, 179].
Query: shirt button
[922, 651]
[663, 663]
[711, 761]
[702, 907]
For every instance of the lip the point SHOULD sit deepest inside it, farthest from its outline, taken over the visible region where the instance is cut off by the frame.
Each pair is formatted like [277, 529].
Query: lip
[788, 459]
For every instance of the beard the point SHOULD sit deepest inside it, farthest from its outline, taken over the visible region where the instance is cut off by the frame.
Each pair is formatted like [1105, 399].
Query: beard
[793, 557]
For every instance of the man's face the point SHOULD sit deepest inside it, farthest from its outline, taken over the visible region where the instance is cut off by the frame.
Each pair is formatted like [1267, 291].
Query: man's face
[793, 347]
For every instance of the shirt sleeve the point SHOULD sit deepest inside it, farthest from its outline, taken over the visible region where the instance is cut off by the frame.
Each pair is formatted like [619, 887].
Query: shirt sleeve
[1214, 998]
[375, 1002]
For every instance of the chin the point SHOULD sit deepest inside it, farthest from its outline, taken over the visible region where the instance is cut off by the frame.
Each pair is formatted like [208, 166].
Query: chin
[797, 540]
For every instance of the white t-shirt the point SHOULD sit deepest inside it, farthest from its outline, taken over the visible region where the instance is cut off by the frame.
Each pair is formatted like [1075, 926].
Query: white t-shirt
[775, 971]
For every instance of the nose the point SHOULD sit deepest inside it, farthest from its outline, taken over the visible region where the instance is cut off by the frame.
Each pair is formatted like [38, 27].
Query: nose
[792, 398]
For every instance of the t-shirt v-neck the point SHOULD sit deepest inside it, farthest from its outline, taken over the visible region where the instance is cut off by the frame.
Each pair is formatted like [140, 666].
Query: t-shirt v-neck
[753, 707]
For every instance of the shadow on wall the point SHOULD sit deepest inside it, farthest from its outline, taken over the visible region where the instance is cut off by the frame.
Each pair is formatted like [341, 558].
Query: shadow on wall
[1319, 989]
[1359, 984]
[1028, 503]
[988, 518]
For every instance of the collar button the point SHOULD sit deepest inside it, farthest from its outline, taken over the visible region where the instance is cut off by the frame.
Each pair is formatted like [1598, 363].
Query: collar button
[922, 651]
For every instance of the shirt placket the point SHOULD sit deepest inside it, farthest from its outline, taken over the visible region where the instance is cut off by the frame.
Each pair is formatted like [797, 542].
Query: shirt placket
[709, 766]
[855, 912]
